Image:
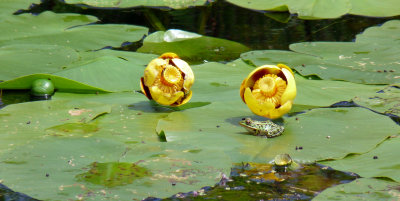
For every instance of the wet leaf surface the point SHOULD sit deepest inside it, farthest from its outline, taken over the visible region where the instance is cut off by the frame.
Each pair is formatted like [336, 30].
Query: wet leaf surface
[176, 4]
[255, 181]
[321, 9]
[113, 174]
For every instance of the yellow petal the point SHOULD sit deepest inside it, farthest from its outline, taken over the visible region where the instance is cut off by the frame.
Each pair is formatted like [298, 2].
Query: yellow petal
[262, 109]
[260, 72]
[242, 88]
[290, 92]
[184, 99]
[286, 67]
[165, 98]
[168, 55]
[152, 70]
[187, 71]
[283, 109]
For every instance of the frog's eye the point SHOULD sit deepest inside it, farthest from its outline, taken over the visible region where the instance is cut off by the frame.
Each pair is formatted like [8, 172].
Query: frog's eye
[248, 121]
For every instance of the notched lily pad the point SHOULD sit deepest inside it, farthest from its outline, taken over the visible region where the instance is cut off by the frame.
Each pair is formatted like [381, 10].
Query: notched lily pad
[113, 174]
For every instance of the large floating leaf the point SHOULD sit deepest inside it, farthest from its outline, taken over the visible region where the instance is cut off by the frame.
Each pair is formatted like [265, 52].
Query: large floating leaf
[386, 100]
[387, 34]
[305, 9]
[380, 162]
[198, 150]
[60, 83]
[367, 60]
[66, 151]
[109, 73]
[105, 70]
[192, 46]
[25, 59]
[127, 3]
[362, 189]
[71, 30]
[347, 132]
[383, 8]
[321, 9]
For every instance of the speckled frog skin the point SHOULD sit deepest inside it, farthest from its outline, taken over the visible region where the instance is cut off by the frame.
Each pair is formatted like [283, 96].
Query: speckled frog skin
[262, 128]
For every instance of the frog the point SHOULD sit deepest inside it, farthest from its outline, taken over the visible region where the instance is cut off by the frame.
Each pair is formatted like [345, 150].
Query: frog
[266, 128]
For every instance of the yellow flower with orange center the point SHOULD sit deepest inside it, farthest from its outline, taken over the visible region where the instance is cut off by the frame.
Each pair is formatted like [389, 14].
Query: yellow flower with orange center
[269, 90]
[167, 80]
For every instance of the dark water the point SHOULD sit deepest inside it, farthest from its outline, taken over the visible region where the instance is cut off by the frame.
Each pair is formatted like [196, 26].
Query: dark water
[258, 182]
[224, 20]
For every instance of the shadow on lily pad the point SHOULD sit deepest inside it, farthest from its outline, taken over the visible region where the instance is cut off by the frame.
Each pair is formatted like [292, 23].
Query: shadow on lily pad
[153, 107]
[113, 173]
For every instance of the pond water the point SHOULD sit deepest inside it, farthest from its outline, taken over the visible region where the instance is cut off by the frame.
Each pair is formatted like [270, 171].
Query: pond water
[224, 20]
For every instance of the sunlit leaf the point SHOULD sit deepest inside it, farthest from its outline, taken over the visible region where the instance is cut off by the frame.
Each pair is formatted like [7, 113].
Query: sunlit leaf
[382, 8]
[362, 189]
[71, 30]
[380, 162]
[202, 140]
[100, 71]
[386, 100]
[176, 4]
[191, 46]
[322, 9]
[61, 84]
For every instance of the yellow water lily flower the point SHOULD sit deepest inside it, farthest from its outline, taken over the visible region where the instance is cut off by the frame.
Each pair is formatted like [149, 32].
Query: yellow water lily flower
[167, 80]
[269, 90]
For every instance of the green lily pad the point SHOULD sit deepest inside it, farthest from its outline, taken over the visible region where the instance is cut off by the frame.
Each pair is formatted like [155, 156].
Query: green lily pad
[71, 30]
[379, 162]
[100, 71]
[8, 7]
[321, 9]
[25, 59]
[123, 127]
[366, 61]
[113, 174]
[385, 101]
[108, 73]
[151, 3]
[373, 8]
[191, 46]
[386, 34]
[362, 189]
[61, 84]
